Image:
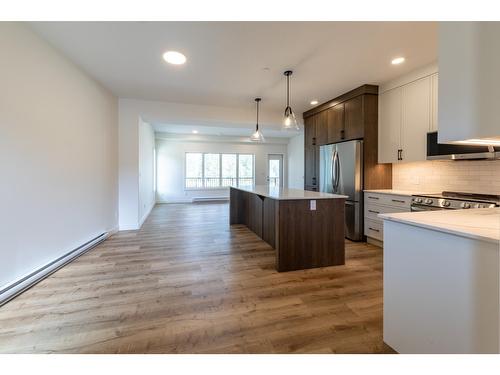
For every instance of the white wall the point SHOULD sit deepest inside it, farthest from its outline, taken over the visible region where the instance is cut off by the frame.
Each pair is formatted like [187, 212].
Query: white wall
[296, 162]
[131, 112]
[170, 165]
[58, 155]
[146, 170]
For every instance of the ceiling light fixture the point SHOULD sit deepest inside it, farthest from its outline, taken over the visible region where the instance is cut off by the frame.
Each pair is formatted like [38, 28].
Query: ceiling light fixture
[289, 119]
[195, 132]
[257, 136]
[174, 57]
[314, 102]
[398, 60]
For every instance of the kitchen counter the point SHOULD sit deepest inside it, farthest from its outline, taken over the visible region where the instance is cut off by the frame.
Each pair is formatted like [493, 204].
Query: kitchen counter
[407, 193]
[286, 194]
[306, 228]
[480, 224]
[441, 272]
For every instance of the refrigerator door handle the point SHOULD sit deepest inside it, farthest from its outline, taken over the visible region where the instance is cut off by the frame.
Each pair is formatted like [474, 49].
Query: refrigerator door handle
[332, 166]
[337, 171]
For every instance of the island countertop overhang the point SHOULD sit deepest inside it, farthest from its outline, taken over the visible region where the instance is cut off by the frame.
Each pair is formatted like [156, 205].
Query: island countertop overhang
[286, 194]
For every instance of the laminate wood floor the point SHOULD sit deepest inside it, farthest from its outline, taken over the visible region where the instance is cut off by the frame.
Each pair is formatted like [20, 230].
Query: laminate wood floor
[188, 283]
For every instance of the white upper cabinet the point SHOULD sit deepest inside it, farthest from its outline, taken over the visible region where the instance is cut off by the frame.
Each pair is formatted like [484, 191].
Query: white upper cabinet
[416, 120]
[389, 125]
[469, 80]
[407, 112]
[434, 103]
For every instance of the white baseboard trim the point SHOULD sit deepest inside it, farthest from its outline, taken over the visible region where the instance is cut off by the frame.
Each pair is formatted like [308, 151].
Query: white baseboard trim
[128, 227]
[17, 287]
[143, 219]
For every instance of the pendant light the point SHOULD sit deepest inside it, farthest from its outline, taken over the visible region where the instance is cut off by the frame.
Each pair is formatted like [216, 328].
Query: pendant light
[257, 136]
[289, 120]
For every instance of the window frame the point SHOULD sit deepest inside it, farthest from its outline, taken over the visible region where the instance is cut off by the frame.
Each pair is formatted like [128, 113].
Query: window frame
[219, 187]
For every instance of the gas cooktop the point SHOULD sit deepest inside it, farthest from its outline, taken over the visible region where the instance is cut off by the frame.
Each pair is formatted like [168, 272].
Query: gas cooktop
[454, 200]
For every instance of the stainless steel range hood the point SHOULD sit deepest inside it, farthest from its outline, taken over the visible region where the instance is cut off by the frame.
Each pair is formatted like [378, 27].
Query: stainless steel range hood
[444, 151]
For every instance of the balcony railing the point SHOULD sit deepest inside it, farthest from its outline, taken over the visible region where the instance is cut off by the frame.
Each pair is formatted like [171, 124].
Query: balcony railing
[213, 183]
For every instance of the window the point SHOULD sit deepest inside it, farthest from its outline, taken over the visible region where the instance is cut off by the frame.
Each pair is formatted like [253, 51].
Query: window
[209, 170]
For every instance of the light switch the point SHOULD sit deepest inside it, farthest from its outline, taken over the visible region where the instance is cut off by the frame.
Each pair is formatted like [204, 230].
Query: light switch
[312, 205]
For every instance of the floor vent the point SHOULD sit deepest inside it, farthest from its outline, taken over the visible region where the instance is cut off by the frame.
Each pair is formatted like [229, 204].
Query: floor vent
[19, 286]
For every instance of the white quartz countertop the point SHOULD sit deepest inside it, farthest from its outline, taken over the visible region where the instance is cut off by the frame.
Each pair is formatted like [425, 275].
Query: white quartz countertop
[287, 194]
[396, 192]
[480, 224]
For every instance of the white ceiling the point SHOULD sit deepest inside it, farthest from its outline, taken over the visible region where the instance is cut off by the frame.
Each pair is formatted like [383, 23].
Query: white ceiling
[227, 60]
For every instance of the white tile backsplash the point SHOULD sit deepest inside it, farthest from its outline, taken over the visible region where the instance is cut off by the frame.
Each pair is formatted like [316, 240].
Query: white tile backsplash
[477, 176]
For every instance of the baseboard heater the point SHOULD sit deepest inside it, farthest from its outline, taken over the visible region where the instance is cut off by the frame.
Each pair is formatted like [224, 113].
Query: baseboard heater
[19, 286]
[210, 199]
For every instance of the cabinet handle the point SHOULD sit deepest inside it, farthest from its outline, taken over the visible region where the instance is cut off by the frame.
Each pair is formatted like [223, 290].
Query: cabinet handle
[342, 134]
[373, 197]
[374, 212]
[398, 201]
[373, 229]
[400, 154]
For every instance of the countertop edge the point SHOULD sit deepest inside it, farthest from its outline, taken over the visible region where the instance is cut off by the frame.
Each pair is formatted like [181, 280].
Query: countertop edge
[320, 197]
[436, 228]
[394, 192]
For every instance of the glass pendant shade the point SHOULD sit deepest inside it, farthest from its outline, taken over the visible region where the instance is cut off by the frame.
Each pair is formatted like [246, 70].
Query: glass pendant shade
[289, 119]
[257, 136]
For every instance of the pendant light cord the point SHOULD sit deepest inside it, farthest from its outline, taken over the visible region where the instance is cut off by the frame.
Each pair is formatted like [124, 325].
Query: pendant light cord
[257, 100]
[288, 90]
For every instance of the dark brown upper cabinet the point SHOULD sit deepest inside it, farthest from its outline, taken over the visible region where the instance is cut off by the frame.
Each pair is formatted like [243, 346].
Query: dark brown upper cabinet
[321, 120]
[310, 153]
[335, 124]
[353, 118]
[353, 115]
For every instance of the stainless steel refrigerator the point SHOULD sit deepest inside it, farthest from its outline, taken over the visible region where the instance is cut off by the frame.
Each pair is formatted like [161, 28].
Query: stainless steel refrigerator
[341, 172]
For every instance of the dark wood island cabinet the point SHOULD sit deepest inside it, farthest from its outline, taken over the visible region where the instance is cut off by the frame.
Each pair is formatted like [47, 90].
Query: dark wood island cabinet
[306, 228]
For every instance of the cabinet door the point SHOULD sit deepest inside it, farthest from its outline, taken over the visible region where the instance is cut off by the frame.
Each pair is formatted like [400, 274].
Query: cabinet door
[336, 123]
[416, 119]
[434, 103]
[353, 122]
[321, 120]
[310, 151]
[389, 125]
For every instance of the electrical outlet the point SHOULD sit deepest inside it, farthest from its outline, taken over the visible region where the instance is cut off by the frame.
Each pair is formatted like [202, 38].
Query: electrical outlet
[312, 205]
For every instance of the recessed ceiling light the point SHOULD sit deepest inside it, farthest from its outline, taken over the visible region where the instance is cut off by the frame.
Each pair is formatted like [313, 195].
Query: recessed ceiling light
[314, 102]
[398, 60]
[195, 132]
[174, 57]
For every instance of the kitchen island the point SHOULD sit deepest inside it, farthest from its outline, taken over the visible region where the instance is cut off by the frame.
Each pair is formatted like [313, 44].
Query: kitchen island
[441, 281]
[306, 228]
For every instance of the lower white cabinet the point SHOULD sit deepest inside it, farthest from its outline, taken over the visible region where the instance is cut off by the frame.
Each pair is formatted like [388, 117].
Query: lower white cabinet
[382, 203]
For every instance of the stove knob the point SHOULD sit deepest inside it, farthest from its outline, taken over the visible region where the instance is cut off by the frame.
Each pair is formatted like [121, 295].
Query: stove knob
[446, 203]
[479, 205]
[418, 200]
[465, 205]
[428, 201]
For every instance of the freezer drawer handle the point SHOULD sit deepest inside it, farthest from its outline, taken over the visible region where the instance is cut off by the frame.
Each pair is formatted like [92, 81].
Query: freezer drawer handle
[374, 212]
[373, 229]
[398, 201]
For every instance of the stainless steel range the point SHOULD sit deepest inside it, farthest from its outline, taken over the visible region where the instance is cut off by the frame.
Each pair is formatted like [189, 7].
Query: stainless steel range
[449, 200]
